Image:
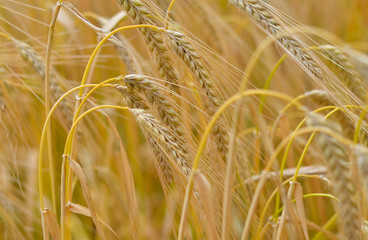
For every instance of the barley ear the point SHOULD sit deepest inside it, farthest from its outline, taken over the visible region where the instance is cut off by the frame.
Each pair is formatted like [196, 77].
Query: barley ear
[338, 166]
[350, 77]
[260, 13]
[162, 142]
[140, 14]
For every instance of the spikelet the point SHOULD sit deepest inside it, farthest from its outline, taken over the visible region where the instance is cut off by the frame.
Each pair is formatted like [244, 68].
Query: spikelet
[130, 99]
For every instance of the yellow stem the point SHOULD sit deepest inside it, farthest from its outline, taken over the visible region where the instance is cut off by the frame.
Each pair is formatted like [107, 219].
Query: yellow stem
[42, 142]
[168, 13]
[95, 51]
[47, 103]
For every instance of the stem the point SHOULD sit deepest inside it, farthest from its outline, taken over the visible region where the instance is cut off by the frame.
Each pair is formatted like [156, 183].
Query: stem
[47, 103]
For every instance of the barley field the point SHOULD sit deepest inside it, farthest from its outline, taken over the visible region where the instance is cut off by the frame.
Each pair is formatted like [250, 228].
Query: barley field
[184, 119]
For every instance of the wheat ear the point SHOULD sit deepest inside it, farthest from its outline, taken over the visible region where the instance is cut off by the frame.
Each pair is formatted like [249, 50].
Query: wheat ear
[141, 15]
[191, 59]
[162, 142]
[262, 15]
[161, 139]
[350, 76]
[126, 57]
[153, 93]
[30, 56]
[338, 167]
[322, 98]
[131, 99]
[134, 101]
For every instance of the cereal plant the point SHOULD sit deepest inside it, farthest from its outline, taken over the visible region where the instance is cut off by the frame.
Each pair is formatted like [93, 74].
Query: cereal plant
[184, 119]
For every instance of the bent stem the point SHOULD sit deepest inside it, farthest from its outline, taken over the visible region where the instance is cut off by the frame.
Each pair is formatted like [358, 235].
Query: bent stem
[66, 169]
[168, 14]
[65, 212]
[42, 143]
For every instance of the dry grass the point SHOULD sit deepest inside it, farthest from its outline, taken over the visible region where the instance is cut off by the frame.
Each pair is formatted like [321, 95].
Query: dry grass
[141, 119]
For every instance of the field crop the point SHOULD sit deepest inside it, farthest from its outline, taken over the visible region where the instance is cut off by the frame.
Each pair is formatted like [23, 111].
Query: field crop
[184, 119]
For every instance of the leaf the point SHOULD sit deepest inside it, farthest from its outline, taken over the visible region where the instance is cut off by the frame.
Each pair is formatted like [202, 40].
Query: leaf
[298, 194]
[51, 224]
[111, 23]
[79, 209]
[83, 181]
[206, 197]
